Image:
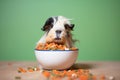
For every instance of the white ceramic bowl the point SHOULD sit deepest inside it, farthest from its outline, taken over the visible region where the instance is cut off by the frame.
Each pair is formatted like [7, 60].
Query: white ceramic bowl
[58, 59]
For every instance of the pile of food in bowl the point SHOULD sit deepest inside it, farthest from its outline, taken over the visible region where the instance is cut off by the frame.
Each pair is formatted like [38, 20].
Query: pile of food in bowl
[53, 46]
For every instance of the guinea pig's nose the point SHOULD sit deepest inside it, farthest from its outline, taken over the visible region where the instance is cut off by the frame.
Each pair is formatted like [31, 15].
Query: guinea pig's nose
[58, 31]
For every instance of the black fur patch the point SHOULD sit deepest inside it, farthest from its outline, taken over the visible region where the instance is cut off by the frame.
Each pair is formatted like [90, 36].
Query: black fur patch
[48, 24]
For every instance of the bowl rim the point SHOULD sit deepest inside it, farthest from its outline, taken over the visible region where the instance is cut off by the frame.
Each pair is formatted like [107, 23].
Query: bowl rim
[56, 50]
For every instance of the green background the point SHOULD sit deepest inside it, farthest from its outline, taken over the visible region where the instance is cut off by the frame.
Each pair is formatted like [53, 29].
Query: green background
[97, 27]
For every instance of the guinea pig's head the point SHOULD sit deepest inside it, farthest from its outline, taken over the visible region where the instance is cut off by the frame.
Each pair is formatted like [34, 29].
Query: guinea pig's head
[58, 29]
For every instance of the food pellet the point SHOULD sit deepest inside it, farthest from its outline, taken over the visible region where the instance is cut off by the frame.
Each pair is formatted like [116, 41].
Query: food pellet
[111, 78]
[17, 78]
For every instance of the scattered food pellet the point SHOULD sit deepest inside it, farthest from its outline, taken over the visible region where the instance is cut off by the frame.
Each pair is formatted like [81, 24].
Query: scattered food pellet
[102, 77]
[17, 78]
[29, 69]
[21, 70]
[74, 75]
[46, 74]
[78, 74]
[111, 78]
[35, 69]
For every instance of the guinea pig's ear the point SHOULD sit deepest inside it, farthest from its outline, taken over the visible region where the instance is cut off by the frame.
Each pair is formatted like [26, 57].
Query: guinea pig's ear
[48, 24]
[70, 27]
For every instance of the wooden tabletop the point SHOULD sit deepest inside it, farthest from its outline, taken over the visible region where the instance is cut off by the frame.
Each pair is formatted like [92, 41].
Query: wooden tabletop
[8, 69]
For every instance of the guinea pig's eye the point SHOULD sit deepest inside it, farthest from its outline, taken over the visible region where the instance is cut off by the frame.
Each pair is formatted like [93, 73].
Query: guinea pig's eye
[66, 26]
[69, 27]
[47, 27]
[50, 26]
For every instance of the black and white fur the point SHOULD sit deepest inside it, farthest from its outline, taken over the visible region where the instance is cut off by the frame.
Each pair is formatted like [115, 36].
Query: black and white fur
[57, 29]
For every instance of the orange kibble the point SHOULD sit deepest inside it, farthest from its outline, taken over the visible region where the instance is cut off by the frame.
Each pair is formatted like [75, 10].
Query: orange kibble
[21, 70]
[79, 71]
[83, 77]
[56, 78]
[46, 74]
[45, 48]
[94, 77]
[73, 48]
[102, 77]
[39, 46]
[70, 72]
[64, 71]
[30, 70]
[37, 69]
[55, 72]
[46, 44]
